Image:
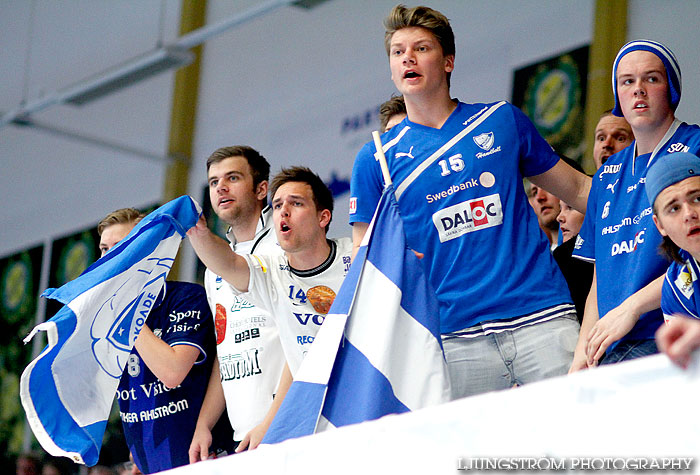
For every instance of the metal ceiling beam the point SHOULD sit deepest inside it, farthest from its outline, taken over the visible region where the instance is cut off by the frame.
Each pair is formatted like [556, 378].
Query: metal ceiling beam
[96, 141]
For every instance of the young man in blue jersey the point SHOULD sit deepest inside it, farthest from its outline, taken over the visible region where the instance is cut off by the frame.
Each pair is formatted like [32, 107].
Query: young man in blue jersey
[618, 234]
[166, 375]
[458, 171]
[673, 189]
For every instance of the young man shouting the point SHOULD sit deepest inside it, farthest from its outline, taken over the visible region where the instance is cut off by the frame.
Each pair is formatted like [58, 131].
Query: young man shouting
[458, 169]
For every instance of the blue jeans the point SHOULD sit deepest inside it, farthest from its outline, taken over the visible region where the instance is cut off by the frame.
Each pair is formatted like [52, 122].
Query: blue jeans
[502, 360]
[629, 350]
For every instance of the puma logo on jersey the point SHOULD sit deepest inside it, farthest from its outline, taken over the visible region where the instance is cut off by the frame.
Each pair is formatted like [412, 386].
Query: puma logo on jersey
[406, 154]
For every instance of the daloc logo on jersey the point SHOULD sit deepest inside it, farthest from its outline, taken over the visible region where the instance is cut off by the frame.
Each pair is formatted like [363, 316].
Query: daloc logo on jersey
[113, 338]
[468, 216]
[626, 247]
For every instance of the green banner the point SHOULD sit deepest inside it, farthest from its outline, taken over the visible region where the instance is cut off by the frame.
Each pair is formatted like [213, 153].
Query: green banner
[552, 93]
[20, 275]
[70, 256]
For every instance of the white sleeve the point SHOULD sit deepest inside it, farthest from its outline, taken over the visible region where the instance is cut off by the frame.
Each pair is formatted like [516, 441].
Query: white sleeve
[262, 291]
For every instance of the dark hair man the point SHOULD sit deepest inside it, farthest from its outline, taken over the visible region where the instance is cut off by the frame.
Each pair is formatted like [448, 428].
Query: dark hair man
[298, 287]
[249, 360]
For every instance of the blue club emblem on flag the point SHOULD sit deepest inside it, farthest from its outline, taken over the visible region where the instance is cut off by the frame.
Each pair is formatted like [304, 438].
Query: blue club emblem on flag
[111, 344]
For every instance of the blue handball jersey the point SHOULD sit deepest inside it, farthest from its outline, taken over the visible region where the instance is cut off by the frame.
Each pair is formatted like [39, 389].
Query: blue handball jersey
[467, 211]
[681, 290]
[159, 422]
[618, 232]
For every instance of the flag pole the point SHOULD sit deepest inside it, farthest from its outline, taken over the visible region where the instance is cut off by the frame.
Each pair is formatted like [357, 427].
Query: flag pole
[382, 158]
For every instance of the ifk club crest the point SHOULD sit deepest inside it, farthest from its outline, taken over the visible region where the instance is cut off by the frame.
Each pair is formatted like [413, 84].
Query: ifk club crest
[484, 141]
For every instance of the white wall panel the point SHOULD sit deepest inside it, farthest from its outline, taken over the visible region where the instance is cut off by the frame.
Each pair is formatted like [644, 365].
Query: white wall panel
[51, 186]
[675, 25]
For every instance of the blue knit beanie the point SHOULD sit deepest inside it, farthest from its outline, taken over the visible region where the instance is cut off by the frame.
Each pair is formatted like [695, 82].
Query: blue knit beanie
[668, 170]
[673, 70]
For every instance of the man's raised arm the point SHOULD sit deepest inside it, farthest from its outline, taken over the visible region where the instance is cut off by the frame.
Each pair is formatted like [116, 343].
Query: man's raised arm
[218, 257]
[566, 184]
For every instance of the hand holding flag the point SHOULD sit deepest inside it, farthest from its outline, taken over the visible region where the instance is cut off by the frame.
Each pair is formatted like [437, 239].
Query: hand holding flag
[67, 391]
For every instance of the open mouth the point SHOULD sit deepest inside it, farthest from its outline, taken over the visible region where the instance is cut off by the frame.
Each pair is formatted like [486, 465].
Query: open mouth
[225, 200]
[284, 228]
[411, 75]
[641, 105]
[694, 231]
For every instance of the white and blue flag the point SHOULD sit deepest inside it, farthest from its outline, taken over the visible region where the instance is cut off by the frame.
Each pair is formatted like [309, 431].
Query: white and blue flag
[378, 351]
[68, 390]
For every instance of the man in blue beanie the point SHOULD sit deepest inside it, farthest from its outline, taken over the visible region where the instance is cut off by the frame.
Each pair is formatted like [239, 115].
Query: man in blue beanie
[618, 235]
[673, 188]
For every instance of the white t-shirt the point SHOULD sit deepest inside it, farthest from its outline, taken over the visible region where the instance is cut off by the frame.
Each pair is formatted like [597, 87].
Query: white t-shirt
[248, 345]
[298, 300]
